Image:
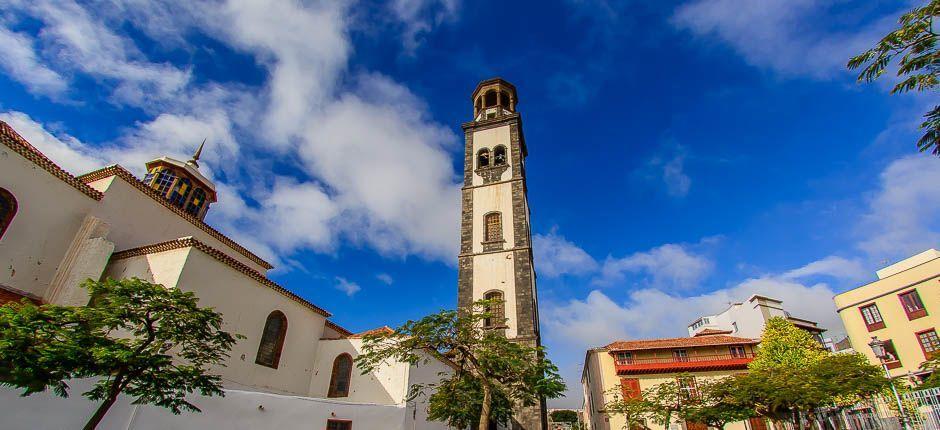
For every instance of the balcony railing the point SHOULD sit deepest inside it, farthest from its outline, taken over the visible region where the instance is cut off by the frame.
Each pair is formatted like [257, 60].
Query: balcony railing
[691, 362]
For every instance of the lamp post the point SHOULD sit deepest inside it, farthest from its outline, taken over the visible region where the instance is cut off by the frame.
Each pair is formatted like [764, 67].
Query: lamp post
[878, 347]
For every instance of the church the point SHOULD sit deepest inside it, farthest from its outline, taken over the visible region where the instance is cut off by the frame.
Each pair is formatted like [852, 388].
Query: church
[295, 366]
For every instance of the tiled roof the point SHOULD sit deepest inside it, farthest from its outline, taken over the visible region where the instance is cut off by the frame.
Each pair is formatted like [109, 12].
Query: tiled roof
[222, 257]
[711, 332]
[116, 170]
[383, 329]
[338, 329]
[11, 139]
[679, 342]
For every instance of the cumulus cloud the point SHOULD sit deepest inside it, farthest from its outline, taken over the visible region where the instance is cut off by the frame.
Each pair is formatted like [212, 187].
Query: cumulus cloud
[781, 35]
[344, 285]
[831, 266]
[669, 265]
[67, 151]
[419, 17]
[556, 256]
[20, 62]
[369, 158]
[903, 216]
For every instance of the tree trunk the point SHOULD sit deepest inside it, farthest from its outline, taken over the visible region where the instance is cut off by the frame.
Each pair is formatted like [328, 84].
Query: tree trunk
[100, 413]
[485, 411]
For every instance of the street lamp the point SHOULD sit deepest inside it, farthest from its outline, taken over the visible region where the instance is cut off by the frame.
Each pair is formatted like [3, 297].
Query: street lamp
[878, 347]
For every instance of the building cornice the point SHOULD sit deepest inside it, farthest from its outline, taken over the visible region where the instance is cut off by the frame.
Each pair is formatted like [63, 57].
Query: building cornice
[889, 292]
[11, 139]
[120, 172]
[222, 257]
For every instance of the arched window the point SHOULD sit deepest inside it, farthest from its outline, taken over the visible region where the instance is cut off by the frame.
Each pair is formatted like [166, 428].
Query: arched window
[499, 155]
[494, 227]
[341, 377]
[504, 99]
[489, 99]
[483, 158]
[196, 203]
[496, 311]
[478, 104]
[180, 192]
[164, 181]
[7, 210]
[272, 340]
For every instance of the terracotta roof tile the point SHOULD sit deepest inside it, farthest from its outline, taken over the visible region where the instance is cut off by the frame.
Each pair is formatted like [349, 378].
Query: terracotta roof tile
[342, 331]
[383, 329]
[711, 332]
[679, 342]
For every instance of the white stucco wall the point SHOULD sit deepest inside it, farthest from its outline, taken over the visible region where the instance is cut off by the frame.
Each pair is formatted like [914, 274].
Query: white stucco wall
[416, 415]
[49, 214]
[236, 411]
[493, 198]
[387, 385]
[495, 272]
[245, 305]
[138, 220]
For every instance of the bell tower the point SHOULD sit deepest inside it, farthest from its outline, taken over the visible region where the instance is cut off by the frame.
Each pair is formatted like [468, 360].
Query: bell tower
[495, 260]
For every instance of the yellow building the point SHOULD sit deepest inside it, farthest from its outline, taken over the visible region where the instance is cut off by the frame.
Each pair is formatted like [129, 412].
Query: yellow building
[634, 366]
[899, 308]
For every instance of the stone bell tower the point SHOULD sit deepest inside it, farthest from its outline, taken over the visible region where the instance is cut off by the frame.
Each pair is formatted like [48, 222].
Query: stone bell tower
[495, 260]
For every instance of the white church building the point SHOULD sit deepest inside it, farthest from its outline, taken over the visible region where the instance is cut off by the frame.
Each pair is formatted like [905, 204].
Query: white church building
[294, 369]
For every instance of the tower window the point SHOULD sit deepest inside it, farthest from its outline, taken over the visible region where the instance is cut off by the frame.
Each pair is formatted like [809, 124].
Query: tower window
[180, 191]
[499, 155]
[489, 99]
[272, 340]
[483, 158]
[504, 99]
[164, 181]
[494, 227]
[196, 203]
[7, 210]
[341, 377]
[496, 310]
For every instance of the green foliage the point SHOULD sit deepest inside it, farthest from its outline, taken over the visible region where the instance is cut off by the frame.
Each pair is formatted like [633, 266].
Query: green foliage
[145, 340]
[634, 410]
[495, 371]
[564, 416]
[714, 404]
[933, 365]
[915, 41]
[835, 380]
[783, 345]
[664, 400]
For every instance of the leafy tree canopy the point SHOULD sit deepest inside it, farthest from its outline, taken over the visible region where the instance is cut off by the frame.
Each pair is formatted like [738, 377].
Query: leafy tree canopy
[784, 346]
[491, 372]
[915, 42]
[142, 339]
[564, 416]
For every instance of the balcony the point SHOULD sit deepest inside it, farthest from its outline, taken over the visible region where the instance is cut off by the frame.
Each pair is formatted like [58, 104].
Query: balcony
[692, 363]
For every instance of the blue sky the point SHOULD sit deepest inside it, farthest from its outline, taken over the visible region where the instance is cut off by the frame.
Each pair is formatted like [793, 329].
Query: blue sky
[682, 154]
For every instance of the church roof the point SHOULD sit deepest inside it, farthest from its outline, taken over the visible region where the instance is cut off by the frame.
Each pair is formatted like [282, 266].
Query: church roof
[384, 329]
[711, 332]
[679, 342]
[188, 167]
[191, 242]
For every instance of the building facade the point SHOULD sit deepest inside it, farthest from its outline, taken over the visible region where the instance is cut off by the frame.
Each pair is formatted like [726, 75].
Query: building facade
[57, 230]
[747, 319]
[899, 308]
[629, 367]
[495, 260]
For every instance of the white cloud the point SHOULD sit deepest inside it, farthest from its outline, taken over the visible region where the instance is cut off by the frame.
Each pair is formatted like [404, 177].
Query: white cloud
[350, 288]
[67, 151]
[375, 167]
[668, 167]
[832, 266]
[903, 216]
[420, 17]
[556, 256]
[385, 278]
[781, 34]
[670, 265]
[20, 62]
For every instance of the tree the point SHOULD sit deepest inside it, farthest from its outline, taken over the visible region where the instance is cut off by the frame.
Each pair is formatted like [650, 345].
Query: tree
[932, 365]
[714, 405]
[783, 345]
[916, 42]
[565, 416]
[634, 410]
[492, 373]
[665, 399]
[142, 339]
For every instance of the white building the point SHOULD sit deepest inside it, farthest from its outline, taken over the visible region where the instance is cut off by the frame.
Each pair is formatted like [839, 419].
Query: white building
[747, 319]
[57, 230]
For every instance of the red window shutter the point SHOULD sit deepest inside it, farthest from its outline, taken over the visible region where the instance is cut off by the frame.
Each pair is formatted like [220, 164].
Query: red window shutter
[630, 388]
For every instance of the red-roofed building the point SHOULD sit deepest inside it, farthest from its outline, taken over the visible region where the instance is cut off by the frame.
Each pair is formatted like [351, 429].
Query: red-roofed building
[636, 365]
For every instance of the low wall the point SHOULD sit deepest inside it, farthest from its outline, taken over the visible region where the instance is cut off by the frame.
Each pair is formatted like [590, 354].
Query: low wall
[237, 410]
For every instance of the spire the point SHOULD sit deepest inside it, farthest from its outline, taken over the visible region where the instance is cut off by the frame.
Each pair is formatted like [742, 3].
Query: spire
[195, 160]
